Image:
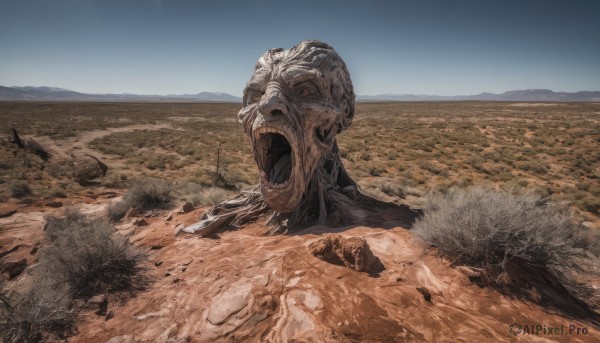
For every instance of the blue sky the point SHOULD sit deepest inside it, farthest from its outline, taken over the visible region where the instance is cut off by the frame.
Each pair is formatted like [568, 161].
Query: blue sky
[447, 47]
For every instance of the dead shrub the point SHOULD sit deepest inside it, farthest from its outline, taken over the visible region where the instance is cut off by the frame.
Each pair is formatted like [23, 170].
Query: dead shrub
[149, 194]
[536, 167]
[485, 228]
[590, 203]
[42, 313]
[116, 210]
[210, 197]
[89, 256]
[392, 189]
[82, 257]
[144, 195]
[19, 189]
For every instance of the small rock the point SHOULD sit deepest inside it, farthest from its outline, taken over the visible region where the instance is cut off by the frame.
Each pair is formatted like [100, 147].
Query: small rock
[158, 263]
[131, 212]
[97, 299]
[187, 207]
[351, 252]
[151, 315]
[100, 303]
[164, 337]
[167, 274]
[183, 269]
[169, 217]
[122, 339]
[109, 315]
[179, 228]
[55, 204]
[176, 280]
[140, 222]
[33, 251]
[156, 247]
[425, 292]
[102, 309]
[14, 268]
[128, 232]
[7, 214]
[187, 262]
[474, 273]
[267, 302]
[109, 195]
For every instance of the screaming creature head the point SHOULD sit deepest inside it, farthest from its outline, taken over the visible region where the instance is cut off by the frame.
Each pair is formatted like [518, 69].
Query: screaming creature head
[295, 103]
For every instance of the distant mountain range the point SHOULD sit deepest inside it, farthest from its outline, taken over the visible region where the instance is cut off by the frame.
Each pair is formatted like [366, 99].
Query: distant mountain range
[60, 94]
[518, 95]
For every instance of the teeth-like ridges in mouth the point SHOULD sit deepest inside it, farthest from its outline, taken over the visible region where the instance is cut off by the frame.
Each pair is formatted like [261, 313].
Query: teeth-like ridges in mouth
[266, 129]
[277, 185]
[269, 184]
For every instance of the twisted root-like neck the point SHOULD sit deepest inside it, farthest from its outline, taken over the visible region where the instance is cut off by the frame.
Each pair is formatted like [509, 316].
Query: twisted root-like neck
[331, 198]
[317, 206]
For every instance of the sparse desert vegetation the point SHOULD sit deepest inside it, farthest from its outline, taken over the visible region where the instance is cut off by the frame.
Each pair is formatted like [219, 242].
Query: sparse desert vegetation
[487, 228]
[542, 162]
[145, 194]
[417, 147]
[88, 256]
[81, 258]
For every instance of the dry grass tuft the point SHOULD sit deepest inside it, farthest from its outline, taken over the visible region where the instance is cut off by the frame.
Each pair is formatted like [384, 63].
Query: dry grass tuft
[82, 257]
[485, 228]
[145, 194]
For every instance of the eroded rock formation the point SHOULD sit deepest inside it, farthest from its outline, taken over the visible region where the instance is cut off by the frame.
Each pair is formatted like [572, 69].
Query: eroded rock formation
[353, 252]
[88, 169]
[294, 105]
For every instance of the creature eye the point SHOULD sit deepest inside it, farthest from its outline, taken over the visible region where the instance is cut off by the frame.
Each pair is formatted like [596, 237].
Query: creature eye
[306, 89]
[254, 96]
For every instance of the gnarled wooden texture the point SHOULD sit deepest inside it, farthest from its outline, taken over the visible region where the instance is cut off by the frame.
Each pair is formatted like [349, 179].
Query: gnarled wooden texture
[294, 105]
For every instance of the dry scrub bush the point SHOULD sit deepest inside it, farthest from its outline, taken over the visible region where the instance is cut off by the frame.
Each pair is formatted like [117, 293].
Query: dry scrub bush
[145, 194]
[116, 210]
[45, 311]
[209, 197]
[89, 256]
[392, 189]
[149, 193]
[19, 189]
[485, 228]
[82, 257]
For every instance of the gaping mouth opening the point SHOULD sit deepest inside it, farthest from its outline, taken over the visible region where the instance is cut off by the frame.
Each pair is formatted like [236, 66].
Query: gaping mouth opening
[276, 160]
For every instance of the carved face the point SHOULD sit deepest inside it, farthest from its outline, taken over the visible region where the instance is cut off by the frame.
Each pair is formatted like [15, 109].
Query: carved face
[295, 103]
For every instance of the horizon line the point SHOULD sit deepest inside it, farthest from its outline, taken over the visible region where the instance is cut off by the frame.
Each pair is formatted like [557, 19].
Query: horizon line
[363, 95]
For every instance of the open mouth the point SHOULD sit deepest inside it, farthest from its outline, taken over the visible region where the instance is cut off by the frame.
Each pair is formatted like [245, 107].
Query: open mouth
[275, 157]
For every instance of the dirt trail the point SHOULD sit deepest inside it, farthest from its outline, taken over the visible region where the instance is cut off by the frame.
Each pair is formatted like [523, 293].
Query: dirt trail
[78, 145]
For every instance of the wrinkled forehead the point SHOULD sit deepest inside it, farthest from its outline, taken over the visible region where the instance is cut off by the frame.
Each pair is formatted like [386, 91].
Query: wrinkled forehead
[291, 68]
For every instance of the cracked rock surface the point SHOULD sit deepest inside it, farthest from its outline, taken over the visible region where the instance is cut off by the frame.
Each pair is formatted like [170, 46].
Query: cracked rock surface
[243, 286]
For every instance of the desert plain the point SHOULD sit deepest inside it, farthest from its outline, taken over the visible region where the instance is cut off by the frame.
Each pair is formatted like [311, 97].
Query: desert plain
[244, 286]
